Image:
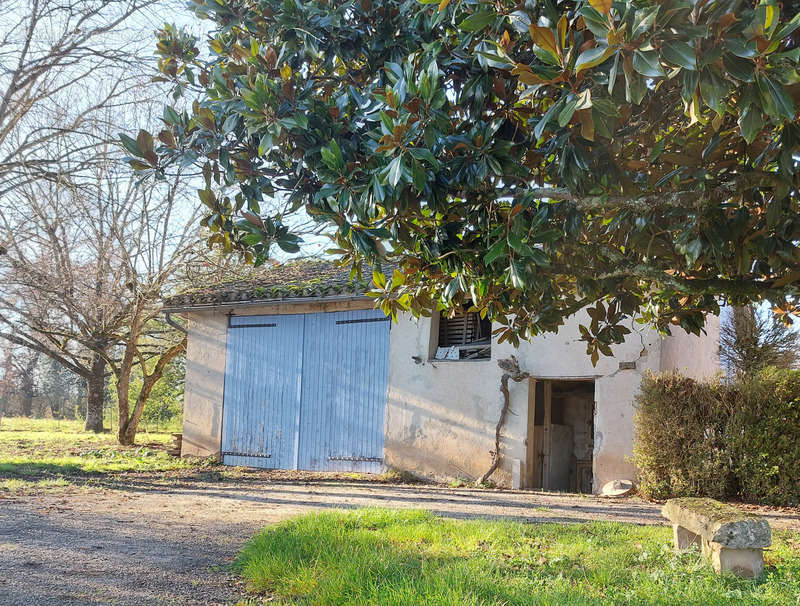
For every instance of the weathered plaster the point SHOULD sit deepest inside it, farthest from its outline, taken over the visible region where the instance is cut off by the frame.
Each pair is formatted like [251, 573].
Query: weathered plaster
[441, 415]
[696, 357]
[205, 377]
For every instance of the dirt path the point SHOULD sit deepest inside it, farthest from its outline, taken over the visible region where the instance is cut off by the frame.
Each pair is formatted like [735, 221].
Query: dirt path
[146, 543]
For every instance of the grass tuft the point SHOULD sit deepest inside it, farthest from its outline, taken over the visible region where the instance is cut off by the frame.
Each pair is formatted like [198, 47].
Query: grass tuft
[416, 558]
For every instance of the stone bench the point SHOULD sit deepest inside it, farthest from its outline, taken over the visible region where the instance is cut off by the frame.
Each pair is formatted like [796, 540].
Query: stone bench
[731, 539]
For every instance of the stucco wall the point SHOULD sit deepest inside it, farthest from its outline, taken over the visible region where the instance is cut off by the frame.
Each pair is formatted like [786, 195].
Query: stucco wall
[696, 357]
[441, 415]
[205, 367]
[205, 377]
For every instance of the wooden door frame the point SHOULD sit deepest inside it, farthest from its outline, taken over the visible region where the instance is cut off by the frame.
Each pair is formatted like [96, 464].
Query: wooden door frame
[531, 480]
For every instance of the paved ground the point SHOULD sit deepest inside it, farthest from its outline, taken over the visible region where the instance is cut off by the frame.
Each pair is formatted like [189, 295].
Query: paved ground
[151, 543]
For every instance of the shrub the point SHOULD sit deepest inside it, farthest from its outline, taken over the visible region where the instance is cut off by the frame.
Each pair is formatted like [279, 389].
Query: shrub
[764, 437]
[720, 440]
[679, 447]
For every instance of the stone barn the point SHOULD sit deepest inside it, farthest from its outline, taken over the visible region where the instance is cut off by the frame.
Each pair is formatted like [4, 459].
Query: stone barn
[294, 369]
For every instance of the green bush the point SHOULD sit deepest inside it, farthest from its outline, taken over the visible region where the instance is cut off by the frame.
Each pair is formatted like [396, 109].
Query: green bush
[764, 437]
[680, 443]
[739, 440]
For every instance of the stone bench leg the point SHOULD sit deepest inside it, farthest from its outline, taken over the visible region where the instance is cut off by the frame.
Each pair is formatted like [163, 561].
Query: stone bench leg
[684, 538]
[747, 563]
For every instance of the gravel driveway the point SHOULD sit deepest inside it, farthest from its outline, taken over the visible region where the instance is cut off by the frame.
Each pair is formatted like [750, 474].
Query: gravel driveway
[145, 542]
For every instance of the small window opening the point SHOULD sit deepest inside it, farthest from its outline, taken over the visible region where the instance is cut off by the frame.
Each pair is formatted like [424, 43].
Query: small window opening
[464, 336]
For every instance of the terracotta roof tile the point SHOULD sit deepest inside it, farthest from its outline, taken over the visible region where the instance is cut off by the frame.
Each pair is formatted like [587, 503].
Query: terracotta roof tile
[303, 278]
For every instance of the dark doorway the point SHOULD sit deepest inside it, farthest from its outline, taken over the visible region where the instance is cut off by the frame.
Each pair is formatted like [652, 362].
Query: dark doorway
[560, 437]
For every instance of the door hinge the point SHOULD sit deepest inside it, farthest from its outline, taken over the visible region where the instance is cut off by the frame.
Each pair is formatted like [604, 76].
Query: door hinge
[245, 454]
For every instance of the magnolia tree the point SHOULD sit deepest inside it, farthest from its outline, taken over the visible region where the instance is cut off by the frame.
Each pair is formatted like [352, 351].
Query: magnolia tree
[628, 158]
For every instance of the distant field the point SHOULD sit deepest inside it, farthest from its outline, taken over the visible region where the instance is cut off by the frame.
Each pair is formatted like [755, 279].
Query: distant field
[40, 454]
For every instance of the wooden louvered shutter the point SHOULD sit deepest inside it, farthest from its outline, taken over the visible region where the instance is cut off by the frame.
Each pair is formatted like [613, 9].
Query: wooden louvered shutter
[461, 329]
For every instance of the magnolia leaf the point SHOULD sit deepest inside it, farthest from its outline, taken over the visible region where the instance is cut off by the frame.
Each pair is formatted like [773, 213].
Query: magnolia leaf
[517, 273]
[644, 20]
[395, 171]
[740, 48]
[646, 63]
[452, 288]
[520, 247]
[130, 145]
[520, 21]
[679, 53]
[171, 116]
[526, 75]
[420, 153]
[584, 99]
[551, 113]
[751, 123]
[788, 28]
[569, 108]
[612, 74]
[713, 89]
[563, 24]
[601, 6]
[635, 85]
[477, 22]
[144, 141]
[545, 39]
[742, 69]
[497, 250]
[769, 14]
[587, 124]
[539, 257]
[784, 104]
[597, 22]
[418, 175]
[592, 57]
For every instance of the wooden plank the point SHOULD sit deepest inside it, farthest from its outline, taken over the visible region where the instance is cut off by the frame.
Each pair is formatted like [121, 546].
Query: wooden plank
[548, 434]
[531, 477]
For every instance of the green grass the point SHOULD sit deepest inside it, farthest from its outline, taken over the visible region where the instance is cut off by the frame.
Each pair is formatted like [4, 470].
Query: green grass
[39, 454]
[415, 558]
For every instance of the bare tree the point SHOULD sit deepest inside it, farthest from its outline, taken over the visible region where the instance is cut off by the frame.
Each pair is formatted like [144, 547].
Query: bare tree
[84, 272]
[752, 338]
[63, 63]
[74, 223]
[59, 389]
[18, 382]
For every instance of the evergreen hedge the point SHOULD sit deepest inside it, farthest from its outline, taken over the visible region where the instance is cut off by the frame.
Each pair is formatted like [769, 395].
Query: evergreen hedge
[738, 440]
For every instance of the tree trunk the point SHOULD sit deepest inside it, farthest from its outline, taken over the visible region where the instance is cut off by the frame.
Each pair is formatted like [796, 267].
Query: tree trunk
[28, 387]
[26, 404]
[95, 388]
[129, 424]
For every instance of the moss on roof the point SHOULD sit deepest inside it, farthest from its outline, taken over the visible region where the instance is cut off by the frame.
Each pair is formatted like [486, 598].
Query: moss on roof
[296, 279]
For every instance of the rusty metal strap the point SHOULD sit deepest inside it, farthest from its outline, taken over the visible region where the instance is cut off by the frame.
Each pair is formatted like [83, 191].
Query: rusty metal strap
[245, 454]
[362, 321]
[365, 459]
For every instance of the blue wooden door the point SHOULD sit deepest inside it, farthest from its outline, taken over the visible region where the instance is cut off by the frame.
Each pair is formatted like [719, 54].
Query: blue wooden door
[262, 391]
[345, 365]
[306, 391]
